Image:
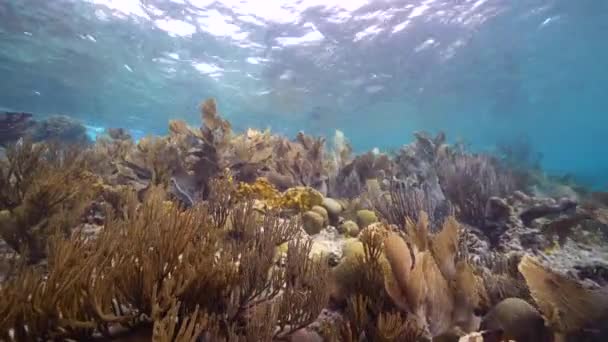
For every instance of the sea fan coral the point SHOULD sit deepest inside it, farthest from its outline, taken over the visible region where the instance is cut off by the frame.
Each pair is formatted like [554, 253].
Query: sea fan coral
[419, 275]
[565, 303]
[428, 281]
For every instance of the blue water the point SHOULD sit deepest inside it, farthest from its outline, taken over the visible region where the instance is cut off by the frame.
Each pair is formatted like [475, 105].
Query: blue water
[484, 71]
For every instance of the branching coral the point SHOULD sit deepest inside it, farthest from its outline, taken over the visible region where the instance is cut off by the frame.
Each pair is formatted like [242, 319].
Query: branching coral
[352, 178]
[249, 156]
[469, 181]
[223, 194]
[174, 271]
[44, 189]
[152, 162]
[298, 163]
[360, 324]
[407, 201]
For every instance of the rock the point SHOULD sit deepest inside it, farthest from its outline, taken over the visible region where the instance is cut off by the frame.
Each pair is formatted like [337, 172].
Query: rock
[527, 224]
[477, 243]
[334, 208]
[521, 196]
[497, 209]
[312, 222]
[597, 271]
[60, 128]
[321, 211]
[583, 261]
[14, 125]
[518, 320]
[349, 228]
[567, 237]
[541, 210]
[365, 218]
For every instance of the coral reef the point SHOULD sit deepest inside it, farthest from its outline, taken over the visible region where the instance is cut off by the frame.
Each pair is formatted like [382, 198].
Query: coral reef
[208, 234]
[59, 128]
[166, 270]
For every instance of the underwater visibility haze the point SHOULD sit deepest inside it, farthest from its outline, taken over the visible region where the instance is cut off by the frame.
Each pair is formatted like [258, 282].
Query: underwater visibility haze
[489, 72]
[304, 170]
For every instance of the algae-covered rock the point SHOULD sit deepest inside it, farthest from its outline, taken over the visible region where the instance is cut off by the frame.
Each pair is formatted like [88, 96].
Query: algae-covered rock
[321, 211]
[312, 222]
[349, 228]
[519, 320]
[365, 218]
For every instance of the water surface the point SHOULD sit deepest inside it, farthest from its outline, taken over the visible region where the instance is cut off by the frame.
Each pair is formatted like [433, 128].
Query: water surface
[486, 71]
